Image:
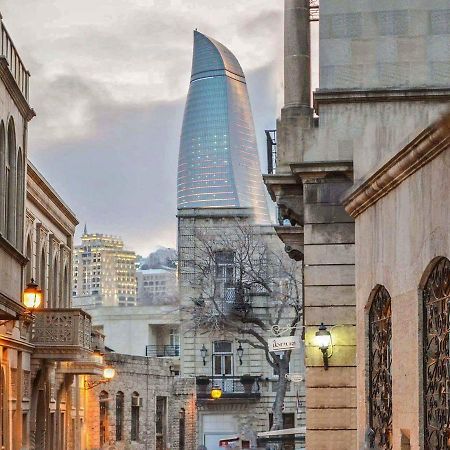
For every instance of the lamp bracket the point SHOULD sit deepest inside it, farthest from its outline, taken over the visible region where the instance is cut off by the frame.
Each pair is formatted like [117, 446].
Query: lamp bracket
[279, 330]
[92, 384]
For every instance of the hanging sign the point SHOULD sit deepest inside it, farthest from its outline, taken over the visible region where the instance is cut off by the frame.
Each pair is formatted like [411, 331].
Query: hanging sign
[279, 344]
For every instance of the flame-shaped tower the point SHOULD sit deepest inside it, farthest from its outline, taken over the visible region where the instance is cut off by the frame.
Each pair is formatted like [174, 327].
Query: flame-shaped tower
[218, 163]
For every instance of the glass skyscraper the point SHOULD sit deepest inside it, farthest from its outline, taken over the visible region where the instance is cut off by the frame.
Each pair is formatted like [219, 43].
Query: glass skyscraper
[218, 162]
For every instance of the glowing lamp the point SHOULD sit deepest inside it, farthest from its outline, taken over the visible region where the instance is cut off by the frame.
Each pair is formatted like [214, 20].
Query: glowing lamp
[32, 295]
[323, 341]
[108, 373]
[216, 392]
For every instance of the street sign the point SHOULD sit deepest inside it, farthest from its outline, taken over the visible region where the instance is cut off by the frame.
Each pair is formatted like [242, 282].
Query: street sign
[280, 344]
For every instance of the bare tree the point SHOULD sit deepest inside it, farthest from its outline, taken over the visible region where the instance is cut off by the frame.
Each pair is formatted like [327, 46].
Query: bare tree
[244, 286]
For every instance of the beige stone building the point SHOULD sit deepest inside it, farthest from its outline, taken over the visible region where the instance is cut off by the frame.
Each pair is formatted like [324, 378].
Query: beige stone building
[104, 272]
[140, 330]
[143, 407]
[370, 142]
[214, 358]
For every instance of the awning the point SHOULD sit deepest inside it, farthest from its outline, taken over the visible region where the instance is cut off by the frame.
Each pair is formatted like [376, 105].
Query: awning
[287, 431]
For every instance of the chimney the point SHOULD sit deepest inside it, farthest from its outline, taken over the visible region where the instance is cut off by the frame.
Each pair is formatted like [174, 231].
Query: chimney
[297, 66]
[296, 115]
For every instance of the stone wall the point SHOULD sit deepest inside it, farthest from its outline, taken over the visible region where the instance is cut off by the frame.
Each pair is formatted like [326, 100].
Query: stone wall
[150, 378]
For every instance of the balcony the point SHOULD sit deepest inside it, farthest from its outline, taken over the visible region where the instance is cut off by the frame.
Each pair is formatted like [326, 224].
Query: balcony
[16, 67]
[62, 334]
[233, 388]
[162, 351]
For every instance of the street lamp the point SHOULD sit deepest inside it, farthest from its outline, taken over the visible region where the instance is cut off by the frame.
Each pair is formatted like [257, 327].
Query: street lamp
[32, 296]
[240, 352]
[203, 353]
[324, 342]
[108, 375]
[216, 392]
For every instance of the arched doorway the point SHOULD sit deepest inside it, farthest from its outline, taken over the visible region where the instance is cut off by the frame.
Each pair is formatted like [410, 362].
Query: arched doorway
[380, 362]
[436, 356]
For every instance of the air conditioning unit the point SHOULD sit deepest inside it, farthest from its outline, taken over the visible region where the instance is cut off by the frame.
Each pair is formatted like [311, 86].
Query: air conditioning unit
[136, 401]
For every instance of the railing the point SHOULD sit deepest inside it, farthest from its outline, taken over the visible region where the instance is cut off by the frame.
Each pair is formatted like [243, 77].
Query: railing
[66, 328]
[16, 66]
[232, 387]
[162, 351]
[271, 141]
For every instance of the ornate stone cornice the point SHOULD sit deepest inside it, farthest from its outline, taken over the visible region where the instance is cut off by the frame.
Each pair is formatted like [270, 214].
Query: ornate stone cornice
[420, 151]
[16, 94]
[309, 170]
[322, 97]
[9, 308]
[293, 240]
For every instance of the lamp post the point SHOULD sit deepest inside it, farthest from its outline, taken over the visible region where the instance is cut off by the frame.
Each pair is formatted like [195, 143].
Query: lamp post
[324, 342]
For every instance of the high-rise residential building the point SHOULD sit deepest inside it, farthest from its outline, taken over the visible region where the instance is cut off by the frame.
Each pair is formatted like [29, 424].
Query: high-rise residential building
[156, 286]
[104, 273]
[218, 162]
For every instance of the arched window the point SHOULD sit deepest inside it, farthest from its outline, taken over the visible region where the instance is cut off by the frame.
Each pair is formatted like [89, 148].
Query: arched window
[54, 288]
[10, 183]
[104, 426]
[43, 273]
[29, 254]
[182, 429]
[135, 405]
[20, 198]
[3, 214]
[119, 415]
[436, 323]
[65, 286]
[380, 361]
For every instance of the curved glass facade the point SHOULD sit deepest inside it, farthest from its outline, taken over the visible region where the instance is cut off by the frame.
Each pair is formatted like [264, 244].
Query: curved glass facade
[218, 163]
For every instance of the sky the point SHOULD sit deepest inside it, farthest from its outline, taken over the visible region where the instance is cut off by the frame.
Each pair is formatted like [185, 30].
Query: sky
[109, 81]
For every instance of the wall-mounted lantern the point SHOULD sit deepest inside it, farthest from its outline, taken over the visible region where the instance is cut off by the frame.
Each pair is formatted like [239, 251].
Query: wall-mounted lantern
[108, 375]
[240, 353]
[324, 342]
[216, 392]
[203, 353]
[32, 296]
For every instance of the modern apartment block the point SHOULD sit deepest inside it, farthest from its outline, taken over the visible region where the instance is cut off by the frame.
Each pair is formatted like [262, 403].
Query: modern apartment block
[104, 272]
[156, 286]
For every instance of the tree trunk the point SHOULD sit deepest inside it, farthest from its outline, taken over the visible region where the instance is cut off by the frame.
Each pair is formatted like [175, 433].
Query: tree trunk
[281, 393]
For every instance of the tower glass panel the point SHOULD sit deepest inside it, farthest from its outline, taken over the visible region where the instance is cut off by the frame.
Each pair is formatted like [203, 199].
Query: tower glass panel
[218, 162]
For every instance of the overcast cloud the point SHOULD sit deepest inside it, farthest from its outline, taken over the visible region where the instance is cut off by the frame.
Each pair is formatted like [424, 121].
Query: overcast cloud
[109, 81]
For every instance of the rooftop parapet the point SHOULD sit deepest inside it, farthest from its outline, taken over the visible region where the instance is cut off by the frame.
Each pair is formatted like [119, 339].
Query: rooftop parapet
[15, 64]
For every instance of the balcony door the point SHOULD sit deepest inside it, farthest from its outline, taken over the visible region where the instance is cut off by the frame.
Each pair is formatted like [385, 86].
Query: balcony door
[222, 359]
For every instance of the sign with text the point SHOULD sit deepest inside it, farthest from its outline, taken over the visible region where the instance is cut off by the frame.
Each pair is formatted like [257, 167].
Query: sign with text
[280, 344]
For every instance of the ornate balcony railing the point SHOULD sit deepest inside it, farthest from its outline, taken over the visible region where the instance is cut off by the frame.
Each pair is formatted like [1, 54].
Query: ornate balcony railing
[232, 387]
[16, 66]
[61, 333]
[162, 351]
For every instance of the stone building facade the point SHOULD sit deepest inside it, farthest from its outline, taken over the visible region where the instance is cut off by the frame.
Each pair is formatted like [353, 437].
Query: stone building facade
[238, 413]
[384, 80]
[143, 407]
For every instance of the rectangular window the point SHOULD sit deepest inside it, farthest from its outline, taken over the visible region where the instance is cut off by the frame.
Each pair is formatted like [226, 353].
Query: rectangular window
[161, 423]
